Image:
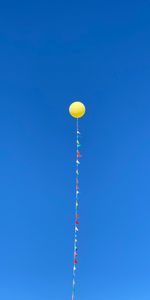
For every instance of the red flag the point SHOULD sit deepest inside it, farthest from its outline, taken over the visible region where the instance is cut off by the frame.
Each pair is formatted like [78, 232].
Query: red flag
[75, 261]
[77, 222]
[78, 153]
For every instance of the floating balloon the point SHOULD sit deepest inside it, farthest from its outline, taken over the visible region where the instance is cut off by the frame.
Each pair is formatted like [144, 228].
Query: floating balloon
[77, 109]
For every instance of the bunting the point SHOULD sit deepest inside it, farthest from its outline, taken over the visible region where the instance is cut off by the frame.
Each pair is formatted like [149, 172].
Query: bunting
[76, 230]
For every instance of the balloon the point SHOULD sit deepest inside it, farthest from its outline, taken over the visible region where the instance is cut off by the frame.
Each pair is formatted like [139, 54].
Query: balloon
[77, 109]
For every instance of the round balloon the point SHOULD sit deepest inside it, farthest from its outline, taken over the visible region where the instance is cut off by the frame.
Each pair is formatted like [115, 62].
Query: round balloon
[77, 109]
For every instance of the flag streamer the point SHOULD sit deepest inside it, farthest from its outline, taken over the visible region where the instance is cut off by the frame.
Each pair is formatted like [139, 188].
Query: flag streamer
[76, 230]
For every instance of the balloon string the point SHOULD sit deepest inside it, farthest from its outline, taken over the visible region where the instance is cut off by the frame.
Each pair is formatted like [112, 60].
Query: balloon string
[76, 210]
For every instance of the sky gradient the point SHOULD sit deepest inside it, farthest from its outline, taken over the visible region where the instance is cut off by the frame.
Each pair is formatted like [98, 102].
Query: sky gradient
[52, 53]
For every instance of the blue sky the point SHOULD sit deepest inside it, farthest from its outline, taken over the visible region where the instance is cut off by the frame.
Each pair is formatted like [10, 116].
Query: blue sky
[52, 53]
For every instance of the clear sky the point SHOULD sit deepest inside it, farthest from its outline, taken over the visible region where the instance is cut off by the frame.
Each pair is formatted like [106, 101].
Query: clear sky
[52, 53]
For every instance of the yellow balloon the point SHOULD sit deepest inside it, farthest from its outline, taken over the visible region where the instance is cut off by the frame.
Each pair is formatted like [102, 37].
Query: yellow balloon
[77, 109]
